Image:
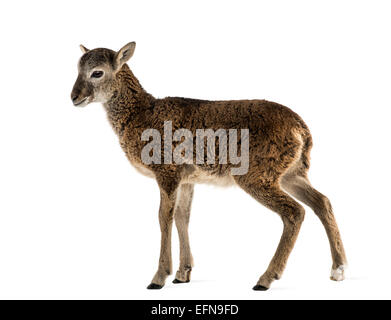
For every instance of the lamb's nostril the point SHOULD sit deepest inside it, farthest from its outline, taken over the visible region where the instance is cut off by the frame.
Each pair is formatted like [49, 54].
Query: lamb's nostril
[74, 98]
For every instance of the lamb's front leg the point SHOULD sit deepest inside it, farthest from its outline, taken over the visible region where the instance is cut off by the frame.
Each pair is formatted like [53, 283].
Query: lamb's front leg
[168, 192]
[182, 217]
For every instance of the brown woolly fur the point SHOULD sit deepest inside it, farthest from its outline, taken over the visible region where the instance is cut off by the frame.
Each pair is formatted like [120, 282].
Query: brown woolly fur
[279, 157]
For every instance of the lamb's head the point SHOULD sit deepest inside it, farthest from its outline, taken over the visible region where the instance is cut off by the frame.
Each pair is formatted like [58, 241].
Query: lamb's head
[97, 81]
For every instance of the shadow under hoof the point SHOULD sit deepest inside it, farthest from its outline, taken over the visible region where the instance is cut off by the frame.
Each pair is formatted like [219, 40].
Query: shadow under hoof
[179, 281]
[258, 287]
[154, 286]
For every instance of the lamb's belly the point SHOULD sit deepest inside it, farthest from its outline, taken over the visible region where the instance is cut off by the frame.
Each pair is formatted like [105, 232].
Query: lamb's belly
[198, 176]
[204, 177]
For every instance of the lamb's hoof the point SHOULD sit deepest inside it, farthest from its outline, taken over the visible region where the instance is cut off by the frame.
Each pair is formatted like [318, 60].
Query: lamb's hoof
[180, 281]
[338, 274]
[154, 286]
[258, 287]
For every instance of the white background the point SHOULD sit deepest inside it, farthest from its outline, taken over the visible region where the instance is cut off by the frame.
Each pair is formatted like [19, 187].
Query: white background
[78, 222]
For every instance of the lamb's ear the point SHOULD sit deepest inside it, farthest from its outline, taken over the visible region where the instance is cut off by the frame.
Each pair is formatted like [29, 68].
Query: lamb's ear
[83, 49]
[124, 54]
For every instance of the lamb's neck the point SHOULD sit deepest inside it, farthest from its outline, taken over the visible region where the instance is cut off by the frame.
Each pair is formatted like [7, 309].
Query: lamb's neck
[127, 102]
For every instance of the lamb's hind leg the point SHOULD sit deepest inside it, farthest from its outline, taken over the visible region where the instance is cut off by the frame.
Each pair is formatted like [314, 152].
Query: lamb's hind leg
[292, 214]
[299, 187]
[182, 217]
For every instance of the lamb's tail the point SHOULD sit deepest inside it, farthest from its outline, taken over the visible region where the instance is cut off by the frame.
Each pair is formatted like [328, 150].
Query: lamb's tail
[307, 146]
[303, 163]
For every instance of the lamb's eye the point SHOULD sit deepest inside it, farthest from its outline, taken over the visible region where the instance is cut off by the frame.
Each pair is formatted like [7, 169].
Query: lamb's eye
[97, 74]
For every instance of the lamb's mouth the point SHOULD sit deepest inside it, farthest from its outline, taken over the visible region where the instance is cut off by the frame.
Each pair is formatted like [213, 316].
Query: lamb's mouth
[80, 103]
